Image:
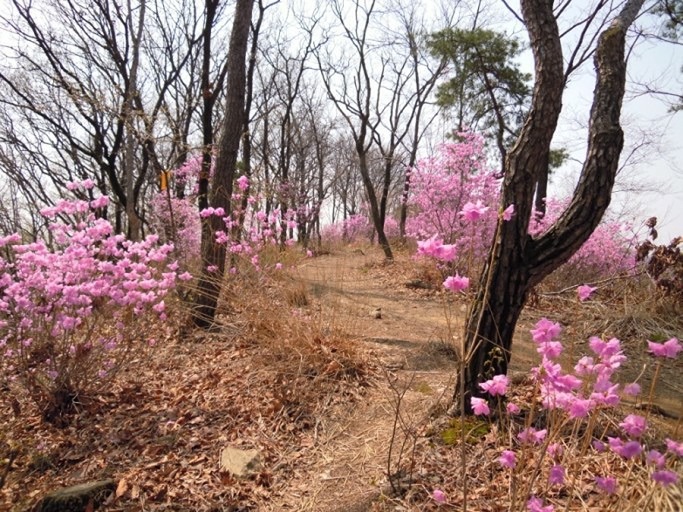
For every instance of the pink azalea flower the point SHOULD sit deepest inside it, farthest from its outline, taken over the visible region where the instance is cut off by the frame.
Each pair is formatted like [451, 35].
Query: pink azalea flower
[634, 425]
[656, 458]
[439, 496]
[628, 449]
[509, 212]
[556, 475]
[456, 283]
[545, 331]
[674, 447]
[243, 183]
[445, 252]
[584, 291]
[532, 436]
[508, 459]
[669, 348]
[598, 445]
[497, 386]
[536, 505]
[632, 389]
[550, 349]
[580, 408]
[473, 211]
[555, 450]
[608, 484]
[479, 406]
[664, 477]
[512, 408]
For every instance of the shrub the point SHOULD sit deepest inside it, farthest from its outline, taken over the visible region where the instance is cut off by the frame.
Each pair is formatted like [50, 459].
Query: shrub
[73, 312]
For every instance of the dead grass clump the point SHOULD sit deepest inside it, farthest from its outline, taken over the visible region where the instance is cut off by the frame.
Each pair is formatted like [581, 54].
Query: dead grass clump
[314, 365]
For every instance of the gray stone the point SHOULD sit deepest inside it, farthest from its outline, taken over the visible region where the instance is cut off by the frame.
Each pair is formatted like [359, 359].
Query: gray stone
[240, 463]
[79, 498]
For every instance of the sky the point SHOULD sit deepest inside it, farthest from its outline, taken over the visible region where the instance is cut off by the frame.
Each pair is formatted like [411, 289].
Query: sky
[651, 181]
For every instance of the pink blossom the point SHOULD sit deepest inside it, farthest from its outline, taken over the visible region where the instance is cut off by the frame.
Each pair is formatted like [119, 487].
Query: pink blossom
[634, 425]
[508, 459]
[479, 406]
[632, 389]
[309, 253]
[545, 331]
[556, 475]
[580, 408]
[532, 436]
[584, 366]
[598, 445]
[536, 505]
[664, 477]
[473, 211]
[669, 348]
[674, 447]
[243, 183]
[456, 283]
[512, 408]
[584, 291]
[627, 450]
[439, 496]
[555, 450]
[278, 266]
[608, 484]
[497, 386]
[550, 349]
[656, 458]
[509, 212]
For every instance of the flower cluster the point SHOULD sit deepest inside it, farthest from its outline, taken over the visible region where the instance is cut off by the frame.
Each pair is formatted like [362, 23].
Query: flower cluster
[71, 310]
[577, 395]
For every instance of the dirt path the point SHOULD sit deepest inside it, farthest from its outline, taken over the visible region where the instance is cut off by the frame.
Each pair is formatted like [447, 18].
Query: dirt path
[411, 338]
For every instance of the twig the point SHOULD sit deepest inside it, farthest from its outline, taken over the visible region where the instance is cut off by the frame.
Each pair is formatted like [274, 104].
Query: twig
[601, 281]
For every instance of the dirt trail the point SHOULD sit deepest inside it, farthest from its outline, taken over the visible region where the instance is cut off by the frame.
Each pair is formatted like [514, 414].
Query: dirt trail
[411, 337]
[412, 340]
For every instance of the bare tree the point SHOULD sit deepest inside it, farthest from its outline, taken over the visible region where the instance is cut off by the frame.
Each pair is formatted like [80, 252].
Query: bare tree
[213, 254]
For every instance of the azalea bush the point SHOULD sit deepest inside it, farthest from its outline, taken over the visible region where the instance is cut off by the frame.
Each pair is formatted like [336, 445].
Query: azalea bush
[75, 311]
[454, 196]
[455, 200]
[248, 231]
[610, 250]
[358, 228]
[554, 445]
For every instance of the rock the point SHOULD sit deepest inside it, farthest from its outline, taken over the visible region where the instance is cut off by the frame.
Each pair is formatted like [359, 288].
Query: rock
[79, 498]
[418, 284]
[240, 463]
[376, 313]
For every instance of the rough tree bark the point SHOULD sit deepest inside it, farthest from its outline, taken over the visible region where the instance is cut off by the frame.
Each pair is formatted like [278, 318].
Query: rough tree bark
[516, 261]
[213, 254]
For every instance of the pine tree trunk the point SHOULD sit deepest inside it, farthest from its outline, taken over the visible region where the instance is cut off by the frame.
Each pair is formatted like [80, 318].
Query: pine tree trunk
[517, 262]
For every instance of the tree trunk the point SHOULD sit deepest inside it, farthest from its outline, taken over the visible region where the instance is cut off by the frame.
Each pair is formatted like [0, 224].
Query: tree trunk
[213, 254]
[375, 213]
[517, 262]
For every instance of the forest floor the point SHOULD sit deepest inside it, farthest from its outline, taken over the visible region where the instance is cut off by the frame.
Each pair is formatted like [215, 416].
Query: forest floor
[339, 373]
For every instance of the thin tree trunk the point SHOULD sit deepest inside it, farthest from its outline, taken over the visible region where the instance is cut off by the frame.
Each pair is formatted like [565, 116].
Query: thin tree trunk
[213, 254]
[134, 221]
